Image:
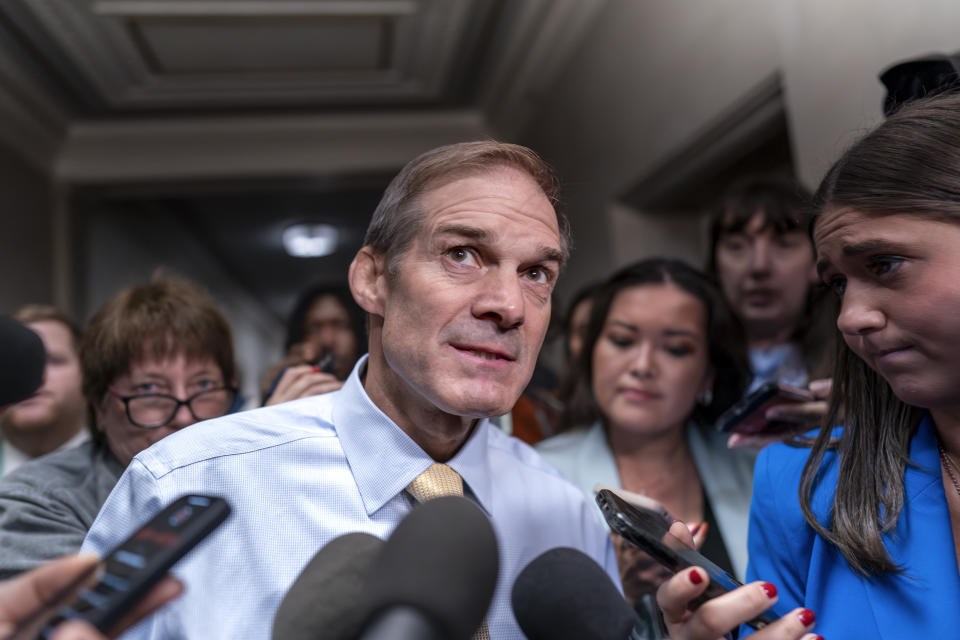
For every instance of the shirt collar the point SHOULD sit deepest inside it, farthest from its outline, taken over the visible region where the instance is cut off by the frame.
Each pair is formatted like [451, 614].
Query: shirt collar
[384, 459]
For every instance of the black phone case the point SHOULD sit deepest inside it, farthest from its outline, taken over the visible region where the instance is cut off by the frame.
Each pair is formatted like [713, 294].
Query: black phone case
[646, 530]
[743, 417]
[134, 567]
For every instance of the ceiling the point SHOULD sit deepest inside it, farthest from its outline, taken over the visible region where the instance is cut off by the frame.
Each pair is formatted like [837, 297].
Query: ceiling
[72, 67]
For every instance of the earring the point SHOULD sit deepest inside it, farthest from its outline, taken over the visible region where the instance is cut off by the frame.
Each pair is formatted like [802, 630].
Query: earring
[705, 397]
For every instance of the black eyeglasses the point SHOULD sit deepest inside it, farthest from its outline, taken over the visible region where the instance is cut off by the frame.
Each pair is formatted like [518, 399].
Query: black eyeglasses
[152, 410]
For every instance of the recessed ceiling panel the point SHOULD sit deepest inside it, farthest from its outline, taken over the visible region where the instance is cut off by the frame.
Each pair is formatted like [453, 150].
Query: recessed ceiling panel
[154, 55]
[242, 45]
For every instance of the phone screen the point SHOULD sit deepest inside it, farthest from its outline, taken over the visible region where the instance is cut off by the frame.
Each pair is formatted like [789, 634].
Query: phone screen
[648, 531]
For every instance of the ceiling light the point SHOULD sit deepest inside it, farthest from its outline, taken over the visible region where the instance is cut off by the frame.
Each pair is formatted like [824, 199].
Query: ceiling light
[310, 240]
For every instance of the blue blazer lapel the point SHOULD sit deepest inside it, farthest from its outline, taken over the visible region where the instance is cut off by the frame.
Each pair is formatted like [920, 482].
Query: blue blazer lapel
[926, 599]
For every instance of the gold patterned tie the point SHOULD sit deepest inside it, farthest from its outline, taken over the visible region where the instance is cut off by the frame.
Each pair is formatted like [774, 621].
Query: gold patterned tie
[440, 480]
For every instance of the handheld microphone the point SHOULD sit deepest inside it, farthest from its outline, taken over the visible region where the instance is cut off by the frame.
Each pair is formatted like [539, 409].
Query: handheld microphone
[436, 575]
[326, 600]
[564, 595]
[22, 361]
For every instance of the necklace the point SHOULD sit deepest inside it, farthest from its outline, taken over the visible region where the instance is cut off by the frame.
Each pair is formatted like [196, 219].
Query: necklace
[948, 465]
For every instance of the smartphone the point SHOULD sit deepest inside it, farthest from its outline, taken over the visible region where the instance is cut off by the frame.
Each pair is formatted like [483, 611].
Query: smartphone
[748, 415]
[133, 568]
[647, 530]
[326, 363]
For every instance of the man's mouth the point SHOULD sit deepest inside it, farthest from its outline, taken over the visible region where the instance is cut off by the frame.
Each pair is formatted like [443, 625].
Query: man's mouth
[484, 353]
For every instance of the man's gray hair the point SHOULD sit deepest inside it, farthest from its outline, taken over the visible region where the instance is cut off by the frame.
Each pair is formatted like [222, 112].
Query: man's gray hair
[399, 218]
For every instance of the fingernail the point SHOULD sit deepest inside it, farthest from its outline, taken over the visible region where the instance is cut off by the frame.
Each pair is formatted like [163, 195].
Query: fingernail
[695, 577]
[695, 528]
[771, 590]
[807, 617]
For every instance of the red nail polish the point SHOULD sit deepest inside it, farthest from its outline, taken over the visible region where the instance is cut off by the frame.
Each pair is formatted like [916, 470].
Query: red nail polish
[695, 577]
[771, 590]
[807, 617]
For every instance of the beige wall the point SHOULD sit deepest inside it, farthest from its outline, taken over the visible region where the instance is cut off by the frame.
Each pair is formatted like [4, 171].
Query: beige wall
[831, 54]
[652, 75]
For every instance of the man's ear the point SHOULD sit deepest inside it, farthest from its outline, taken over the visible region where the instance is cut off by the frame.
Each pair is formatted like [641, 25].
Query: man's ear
[367, 279]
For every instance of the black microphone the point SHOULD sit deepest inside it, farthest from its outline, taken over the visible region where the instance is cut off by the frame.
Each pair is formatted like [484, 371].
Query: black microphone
[22, 361]
[436, 575]
[327, 598]
[564, 595]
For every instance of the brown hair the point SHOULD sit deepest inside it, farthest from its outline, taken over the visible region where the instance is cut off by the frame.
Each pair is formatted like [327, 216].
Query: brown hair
[910, 164]
[787, 206]
[45, 313]
[163, 318]
[399, 218]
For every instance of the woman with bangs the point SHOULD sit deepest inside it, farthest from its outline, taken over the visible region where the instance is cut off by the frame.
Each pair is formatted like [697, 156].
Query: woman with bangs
[762, 257]
[156, 358]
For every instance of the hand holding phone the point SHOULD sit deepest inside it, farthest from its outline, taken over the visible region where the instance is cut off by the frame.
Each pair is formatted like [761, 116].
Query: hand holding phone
[749, 415]
[131, 570]
[647, 530]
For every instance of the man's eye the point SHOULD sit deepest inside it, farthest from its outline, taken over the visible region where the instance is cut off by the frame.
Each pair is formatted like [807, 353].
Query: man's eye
[460, 254]
[538, 275]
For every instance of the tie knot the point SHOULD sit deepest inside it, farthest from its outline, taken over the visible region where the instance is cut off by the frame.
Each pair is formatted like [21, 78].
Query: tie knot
[438, 480]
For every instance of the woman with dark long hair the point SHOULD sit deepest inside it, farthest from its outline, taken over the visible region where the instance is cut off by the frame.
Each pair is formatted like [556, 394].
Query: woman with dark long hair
[879, 513]
[662, 358]
[872, 542]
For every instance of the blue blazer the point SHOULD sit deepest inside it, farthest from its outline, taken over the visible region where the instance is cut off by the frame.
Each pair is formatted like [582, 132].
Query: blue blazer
[810, 572]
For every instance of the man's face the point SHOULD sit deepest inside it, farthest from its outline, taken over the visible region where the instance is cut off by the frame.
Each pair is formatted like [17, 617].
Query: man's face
[466, 308]
[61, 396]
[329, 329]
[766, 275]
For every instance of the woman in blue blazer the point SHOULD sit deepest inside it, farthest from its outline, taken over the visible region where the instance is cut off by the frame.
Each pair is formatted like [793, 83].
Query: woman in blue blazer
[871, 543]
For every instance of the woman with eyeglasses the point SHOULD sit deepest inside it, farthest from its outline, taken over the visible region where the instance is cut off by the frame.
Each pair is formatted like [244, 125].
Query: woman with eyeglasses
[156, 358]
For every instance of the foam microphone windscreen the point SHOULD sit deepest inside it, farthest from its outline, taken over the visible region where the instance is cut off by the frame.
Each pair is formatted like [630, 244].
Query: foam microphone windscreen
[563, 594]
[22, 361]
[442, 562]
[327, 599]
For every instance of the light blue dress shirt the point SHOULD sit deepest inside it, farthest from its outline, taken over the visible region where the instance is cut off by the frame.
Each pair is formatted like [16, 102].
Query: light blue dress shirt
[302, 473]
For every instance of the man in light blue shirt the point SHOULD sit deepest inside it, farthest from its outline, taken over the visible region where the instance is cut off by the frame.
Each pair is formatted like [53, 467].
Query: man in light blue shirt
[456, 274]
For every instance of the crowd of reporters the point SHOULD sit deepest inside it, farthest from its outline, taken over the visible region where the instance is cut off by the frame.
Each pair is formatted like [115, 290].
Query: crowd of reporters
[661, 351]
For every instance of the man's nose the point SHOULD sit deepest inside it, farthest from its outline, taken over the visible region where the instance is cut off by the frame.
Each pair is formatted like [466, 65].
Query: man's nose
[500, 299]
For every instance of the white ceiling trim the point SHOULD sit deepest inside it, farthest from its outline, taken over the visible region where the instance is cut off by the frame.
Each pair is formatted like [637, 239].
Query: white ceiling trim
[546, 35]
[187, 8]
[420, 43]
[147, 150]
